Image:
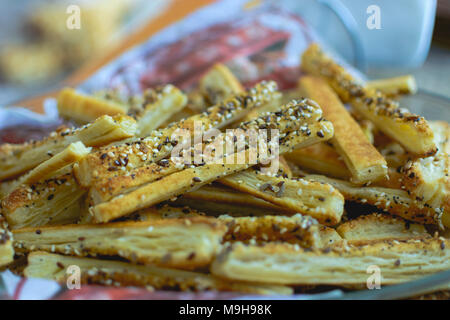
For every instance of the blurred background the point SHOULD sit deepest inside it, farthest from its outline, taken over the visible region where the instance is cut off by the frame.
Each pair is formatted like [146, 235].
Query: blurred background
[38, 50]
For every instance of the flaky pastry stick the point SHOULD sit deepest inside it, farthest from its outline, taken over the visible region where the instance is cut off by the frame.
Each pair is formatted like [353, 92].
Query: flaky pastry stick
[393, 87]
[394, 201]
[320, 201]
[107, 272]
[365, 163]
[340, 265]
[126, 159]
[176, 243]
[300, 123]
[18, 159]
[410, 130]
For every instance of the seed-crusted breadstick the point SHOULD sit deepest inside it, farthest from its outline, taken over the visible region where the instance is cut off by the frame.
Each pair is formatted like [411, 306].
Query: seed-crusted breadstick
[300, 123]
[165, 212]
[159, 105]
[106, 272]
[122, 160]
[105, 189]
[85, 108]
[365, 163]
[393, 87]
[376, 227]
[73, 153]
[176, 243]
[287, 264]
[285, 170]
[102, 192]
[47, 202]
[410, 130]
[328, 237]
[6, 246]
[219, 84]
[299, 229]
[320, 201]
[214, 208]
[17, 160]
[428, 179]
[394, 201]
[321, 158]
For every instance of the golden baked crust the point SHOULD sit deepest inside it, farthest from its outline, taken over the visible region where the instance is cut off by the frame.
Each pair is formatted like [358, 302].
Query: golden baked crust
[362, 159]
[394, 201]
[6, 243]
[296, 229]
[165, 212]
[219, 84]
[49, 202]
[217, 193]
[393, 87]
[410, 130]
[427, 179]
[107, 272]
[176, 243]
[137, 153]
[160, 104]
[320, 158]
[300, 123]
[73, 153]
[338, 265]
[85, 108]
[318, 200]
[376, 227]
[17, 160]
[328, 237]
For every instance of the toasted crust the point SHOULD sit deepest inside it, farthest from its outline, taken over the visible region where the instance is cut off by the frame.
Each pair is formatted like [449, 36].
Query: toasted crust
[394, 201]
[160, 104]
[410, 130]
[84, 108]
[48, 202]
[159, 144]
[376, 227]
[328, 237]
[320, 201]
[179, 243]
[220, 194]
[287, 264]
[362, 159]
[6, 243]
[320, 158]
[105, 189]
[73, 153]
[310, 129]
[219, 84]
[298, 229]
[165, 212]
[285, 170]
[270, 106]
[428, 179]
[393, 87]
[17, 160]
[213, 208]
[395, 154]
[107, 272]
